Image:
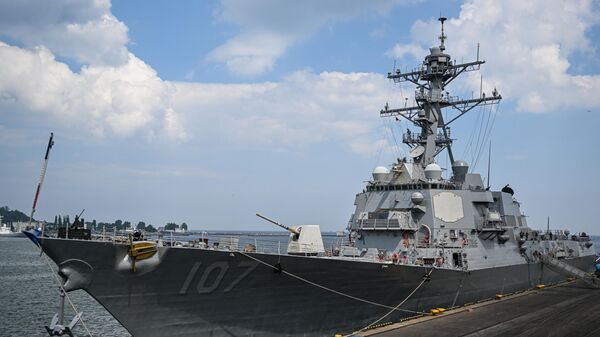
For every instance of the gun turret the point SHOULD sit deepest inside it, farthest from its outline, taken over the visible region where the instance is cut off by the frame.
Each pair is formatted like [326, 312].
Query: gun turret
[291, 230]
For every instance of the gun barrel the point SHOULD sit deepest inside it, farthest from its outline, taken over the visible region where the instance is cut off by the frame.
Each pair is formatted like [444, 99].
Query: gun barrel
[291, 230]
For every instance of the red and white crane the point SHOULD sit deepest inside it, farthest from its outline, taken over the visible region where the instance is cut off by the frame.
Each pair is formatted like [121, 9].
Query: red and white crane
[42, 174]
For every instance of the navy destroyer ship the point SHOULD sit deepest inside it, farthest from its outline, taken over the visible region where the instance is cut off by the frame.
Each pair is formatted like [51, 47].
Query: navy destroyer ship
[416, 241]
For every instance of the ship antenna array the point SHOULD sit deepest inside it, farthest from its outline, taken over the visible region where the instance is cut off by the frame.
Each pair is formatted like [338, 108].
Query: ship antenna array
[437, 71]
[442, 36]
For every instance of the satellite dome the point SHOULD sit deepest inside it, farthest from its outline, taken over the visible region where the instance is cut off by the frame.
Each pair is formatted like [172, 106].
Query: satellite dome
[381, 169]
[417, 198]
[380, 172]
[433, 172]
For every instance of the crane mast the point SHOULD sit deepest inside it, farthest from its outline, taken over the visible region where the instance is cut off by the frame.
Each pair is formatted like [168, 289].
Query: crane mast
[42, 175]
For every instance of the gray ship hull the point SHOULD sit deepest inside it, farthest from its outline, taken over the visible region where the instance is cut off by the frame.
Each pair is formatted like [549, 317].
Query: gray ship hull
[198, 292]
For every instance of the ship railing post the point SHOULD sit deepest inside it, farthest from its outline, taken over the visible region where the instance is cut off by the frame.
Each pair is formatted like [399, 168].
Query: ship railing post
[279, 247]
[256, 244]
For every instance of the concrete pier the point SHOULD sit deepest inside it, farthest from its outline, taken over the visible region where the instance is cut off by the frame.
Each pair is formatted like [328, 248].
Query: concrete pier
[568, 309]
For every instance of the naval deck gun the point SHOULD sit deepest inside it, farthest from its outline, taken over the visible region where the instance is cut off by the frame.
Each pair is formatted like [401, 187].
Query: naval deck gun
[304, 240]
[289, 229]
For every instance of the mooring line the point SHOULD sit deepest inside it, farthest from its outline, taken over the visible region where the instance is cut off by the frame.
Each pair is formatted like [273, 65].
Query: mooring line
[425, 279]
[333, 290]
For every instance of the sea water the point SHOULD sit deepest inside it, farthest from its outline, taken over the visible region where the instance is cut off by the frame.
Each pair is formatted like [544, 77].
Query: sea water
[29, 296]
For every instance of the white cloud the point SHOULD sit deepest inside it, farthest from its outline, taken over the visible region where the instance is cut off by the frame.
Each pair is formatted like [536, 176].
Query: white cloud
[85, 31]
[105, 101]
[527, 46]
[270, 27]
[174, 125]
[124, 100]
[412, 49]
[303, 109]
[251, 53]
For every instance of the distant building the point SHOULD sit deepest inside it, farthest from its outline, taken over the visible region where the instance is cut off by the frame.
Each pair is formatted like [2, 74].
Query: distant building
[22, 225]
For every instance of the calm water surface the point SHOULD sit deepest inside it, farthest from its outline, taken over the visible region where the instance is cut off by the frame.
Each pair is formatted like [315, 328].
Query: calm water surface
[29, 295]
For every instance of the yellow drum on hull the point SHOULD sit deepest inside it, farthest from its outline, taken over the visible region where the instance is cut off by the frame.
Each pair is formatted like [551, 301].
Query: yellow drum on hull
[139, 251]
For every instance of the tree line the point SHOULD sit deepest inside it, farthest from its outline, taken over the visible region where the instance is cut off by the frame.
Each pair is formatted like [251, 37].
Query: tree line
[9, 216]
[119, 225]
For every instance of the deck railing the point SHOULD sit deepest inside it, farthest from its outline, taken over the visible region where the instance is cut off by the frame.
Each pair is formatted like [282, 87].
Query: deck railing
[385, 224]
[278, 244]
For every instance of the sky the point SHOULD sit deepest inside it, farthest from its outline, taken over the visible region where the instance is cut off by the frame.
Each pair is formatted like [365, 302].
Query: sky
[207, 112]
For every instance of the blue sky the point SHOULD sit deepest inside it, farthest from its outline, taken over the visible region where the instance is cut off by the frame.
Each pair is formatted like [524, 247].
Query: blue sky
[207, 112]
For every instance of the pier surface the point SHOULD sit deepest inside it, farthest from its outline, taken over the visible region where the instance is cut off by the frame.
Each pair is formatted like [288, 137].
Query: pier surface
[568, 309]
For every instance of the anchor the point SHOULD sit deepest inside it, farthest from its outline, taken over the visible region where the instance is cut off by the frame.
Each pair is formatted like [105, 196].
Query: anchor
[57, 327]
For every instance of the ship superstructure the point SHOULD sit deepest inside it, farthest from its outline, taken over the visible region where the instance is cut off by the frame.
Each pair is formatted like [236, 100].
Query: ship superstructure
[417, 241]
[411, 212]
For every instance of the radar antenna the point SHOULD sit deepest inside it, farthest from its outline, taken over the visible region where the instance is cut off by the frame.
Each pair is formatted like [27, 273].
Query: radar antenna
[436, 72]
[442, 37]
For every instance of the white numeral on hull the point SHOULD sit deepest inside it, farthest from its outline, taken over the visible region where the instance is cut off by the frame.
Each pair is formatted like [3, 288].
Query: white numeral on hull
[220, 269]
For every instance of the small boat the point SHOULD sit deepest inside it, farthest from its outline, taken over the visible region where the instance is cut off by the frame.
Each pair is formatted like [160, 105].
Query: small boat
[6, 231]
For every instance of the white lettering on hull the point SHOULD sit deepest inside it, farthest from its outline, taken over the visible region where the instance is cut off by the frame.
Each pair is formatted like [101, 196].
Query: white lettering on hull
[221, 269]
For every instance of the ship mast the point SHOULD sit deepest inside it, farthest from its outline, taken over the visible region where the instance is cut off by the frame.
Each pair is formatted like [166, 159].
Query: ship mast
[431, 79]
